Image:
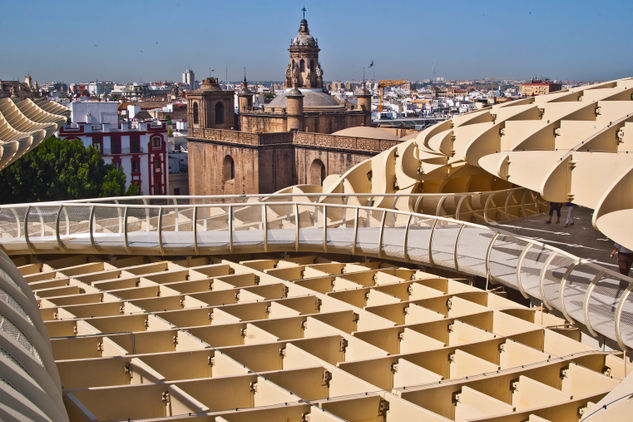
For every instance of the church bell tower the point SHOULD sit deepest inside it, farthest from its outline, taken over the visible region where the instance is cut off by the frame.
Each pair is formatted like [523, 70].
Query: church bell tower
[304, 69]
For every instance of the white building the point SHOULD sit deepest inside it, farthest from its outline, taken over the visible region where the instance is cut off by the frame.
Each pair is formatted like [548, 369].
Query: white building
[188, 79]
[94, 112]
[139, 149]
[130, 92]
[132, 110]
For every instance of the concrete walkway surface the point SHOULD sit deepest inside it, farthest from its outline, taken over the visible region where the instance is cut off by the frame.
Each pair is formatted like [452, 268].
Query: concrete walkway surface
[580, 239]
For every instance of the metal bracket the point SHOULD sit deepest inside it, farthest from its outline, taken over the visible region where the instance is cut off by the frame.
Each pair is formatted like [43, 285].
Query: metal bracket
[383, 407]
[327, 377]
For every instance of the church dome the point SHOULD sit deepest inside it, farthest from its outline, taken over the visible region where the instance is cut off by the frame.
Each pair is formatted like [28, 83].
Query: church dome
[303, 38]
[209, 84]
[313, 99]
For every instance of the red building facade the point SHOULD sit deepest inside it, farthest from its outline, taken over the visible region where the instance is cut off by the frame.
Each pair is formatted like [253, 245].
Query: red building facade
[139, 149]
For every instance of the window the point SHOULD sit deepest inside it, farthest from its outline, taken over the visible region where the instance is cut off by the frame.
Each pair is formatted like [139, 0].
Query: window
[228, 169]
[135, 144]
[195, 113]
[219, 113]
[311, 65]
[302, 66]
[156, 142]
[136, 165]
[115, 144]
[97, 145]
[156, 165]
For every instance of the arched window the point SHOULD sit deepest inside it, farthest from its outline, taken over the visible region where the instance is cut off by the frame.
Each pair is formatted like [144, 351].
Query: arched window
[302, 66]
[195, 113]
[219, 113]
[317, 172]
[228, 169]
[311, 65]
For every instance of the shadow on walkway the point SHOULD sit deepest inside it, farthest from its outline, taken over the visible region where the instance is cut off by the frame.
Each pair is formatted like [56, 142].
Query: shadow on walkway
[580, 239]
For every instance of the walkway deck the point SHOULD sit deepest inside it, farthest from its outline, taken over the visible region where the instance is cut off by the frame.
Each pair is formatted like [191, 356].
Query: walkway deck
[581, 239]
[582, 291]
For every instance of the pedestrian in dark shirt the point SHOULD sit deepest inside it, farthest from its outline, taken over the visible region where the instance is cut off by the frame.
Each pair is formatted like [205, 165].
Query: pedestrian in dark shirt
[625, 259]
[554, 206]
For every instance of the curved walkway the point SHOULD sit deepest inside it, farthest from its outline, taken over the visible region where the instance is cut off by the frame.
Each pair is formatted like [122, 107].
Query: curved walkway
[580, 239]
[581, 290]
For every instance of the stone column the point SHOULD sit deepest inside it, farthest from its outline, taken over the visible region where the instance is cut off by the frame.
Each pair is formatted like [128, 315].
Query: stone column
[294, 109]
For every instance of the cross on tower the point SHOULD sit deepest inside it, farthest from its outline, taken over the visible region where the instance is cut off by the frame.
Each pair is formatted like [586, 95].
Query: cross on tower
[303, 10]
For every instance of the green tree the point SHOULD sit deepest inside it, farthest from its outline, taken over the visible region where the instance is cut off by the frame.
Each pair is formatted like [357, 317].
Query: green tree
[113, 182]
[134, 189]
[58, 170]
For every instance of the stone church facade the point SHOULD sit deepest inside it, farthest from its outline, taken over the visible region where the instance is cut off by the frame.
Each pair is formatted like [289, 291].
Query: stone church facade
[289, 142]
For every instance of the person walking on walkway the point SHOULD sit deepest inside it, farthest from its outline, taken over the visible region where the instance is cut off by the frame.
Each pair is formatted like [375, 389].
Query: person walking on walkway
[625, 259]
[554, 206]
[569, 218]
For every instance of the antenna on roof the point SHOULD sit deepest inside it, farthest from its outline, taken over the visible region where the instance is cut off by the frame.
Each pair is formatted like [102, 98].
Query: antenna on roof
[303, 10]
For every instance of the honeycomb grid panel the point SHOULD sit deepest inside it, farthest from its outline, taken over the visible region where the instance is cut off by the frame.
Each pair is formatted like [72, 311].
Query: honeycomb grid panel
[303, 338]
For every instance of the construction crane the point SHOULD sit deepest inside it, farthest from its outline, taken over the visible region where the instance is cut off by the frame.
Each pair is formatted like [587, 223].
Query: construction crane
[386, 83]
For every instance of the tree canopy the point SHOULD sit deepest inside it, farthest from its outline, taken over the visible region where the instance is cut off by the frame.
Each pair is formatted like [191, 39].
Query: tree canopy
[58, 170]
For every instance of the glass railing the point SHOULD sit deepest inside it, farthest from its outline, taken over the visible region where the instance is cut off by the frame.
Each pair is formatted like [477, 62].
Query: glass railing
[584, 292]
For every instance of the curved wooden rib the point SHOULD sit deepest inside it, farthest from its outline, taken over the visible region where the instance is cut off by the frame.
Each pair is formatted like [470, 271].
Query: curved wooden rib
[573, 145]
[26, 123]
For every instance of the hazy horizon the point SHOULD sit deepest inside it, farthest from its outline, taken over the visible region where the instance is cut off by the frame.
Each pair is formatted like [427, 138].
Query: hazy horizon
[415, 40]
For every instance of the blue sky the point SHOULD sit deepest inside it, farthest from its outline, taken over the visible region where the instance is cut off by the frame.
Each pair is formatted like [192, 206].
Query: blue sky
[137, 40]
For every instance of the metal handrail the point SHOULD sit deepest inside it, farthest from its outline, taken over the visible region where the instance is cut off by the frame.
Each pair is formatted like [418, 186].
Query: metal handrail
[518, 269]
[541, 281]
[562, 289]
[262, 215]
[231, 228]
[123, 200]
[585, 305]
[319, 205]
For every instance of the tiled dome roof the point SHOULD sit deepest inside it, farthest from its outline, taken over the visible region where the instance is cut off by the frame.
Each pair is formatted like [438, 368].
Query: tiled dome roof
[311, 98]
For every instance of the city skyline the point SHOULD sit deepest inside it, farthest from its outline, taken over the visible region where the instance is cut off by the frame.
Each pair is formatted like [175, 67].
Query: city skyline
[411, 40]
